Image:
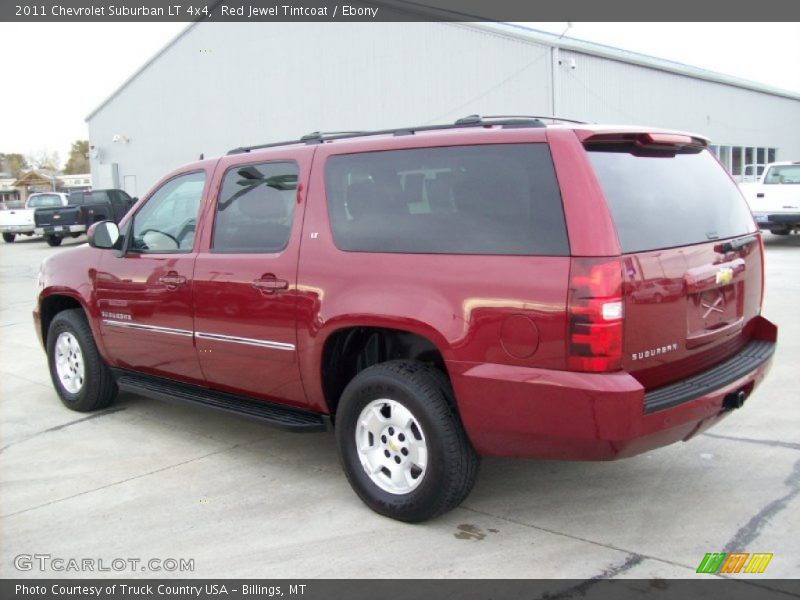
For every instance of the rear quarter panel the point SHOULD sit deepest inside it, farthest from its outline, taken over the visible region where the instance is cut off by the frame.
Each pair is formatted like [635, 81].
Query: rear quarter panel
[458, 302]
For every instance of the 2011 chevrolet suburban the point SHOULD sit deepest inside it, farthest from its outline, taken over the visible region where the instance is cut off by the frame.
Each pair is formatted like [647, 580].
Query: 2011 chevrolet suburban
[494, 287]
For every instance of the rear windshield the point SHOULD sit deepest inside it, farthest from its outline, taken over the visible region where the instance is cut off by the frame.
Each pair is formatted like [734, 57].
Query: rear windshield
[487, 199]
[783, 174]
[79, 198]
[44, 201]
[667, 201]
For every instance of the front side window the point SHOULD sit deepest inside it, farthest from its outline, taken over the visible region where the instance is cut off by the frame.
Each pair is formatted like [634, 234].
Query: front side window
[497, 199]
[255, 208]
[166, 222]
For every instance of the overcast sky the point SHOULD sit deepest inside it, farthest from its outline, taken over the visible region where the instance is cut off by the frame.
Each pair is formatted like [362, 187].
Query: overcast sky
[55, 74]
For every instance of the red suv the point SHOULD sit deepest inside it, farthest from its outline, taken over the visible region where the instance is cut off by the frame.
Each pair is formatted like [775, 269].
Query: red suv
[494, 287]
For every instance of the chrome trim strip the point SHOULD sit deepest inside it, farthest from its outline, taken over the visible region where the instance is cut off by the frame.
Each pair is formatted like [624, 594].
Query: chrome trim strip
[151, 328]
[248, 341]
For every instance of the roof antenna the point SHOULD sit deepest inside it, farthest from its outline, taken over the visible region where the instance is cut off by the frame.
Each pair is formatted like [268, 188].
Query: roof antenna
[201, 156]
[563, 33]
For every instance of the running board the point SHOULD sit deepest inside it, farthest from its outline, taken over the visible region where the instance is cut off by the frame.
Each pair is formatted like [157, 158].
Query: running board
[283, 417]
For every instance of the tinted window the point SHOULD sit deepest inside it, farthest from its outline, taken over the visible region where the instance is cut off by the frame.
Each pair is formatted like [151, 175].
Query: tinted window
[78, 198]
[667, 201]
[255, 208]
[488, 199]
[166, 222]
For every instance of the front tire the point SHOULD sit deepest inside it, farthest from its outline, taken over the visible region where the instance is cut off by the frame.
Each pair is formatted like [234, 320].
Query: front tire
[83, 381]
[9, 237]
[53, 240]
[401, 442]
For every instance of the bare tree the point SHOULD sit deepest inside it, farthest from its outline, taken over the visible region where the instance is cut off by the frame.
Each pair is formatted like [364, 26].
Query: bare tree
[44, 159]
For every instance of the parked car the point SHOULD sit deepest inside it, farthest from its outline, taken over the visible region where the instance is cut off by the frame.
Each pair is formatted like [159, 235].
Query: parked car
[83, 208]
[775, 198]
[17, 221]
[434, 294]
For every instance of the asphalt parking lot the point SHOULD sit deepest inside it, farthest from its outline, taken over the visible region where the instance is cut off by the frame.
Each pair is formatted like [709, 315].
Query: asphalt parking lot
[146, 479]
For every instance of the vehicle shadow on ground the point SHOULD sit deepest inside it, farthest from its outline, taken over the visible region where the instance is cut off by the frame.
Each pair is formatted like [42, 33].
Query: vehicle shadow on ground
[781, 241]
[36, 240]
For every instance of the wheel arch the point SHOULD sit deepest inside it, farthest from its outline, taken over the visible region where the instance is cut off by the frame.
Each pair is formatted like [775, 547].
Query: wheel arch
[50, 304]
[349, 348]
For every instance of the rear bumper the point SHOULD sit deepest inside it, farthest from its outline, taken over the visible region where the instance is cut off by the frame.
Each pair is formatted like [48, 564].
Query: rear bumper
[60, 230]
[773, 220]
[540, 413]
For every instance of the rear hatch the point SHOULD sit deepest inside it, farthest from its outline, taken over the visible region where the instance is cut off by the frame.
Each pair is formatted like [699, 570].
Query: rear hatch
[691, 254]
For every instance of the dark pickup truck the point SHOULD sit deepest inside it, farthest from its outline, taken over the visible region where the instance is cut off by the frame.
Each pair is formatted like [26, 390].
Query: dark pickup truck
[83, 208]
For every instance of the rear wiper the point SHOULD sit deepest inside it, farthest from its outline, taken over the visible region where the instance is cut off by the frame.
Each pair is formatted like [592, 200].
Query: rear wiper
[736, 244]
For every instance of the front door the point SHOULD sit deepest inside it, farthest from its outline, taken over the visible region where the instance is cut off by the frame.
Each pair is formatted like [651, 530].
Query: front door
[145, 295]
[245, 280]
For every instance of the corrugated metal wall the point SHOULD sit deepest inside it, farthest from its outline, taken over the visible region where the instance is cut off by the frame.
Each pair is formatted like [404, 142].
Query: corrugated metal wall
[225, 85]
[609, 91]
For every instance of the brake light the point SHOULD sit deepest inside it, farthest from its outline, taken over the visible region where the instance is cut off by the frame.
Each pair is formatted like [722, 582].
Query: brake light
[595, 315]
[667, 141]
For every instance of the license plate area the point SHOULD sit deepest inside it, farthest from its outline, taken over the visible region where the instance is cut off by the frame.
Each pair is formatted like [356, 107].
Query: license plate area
[714, 313]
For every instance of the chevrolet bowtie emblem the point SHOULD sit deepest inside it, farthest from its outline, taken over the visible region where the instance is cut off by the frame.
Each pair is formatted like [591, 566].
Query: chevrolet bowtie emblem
[717, 306]
[724, 276]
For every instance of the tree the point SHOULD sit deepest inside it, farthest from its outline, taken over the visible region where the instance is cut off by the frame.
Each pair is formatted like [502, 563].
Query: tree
[44, 159]
[78, 161]
[13, 164]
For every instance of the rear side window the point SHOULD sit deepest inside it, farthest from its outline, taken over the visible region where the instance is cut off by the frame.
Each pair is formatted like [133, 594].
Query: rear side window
[663, 201]
[487, 199]
[255, 208]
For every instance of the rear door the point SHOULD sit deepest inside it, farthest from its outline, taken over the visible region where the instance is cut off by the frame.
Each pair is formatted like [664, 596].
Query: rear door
[245, 298]
[691, 254]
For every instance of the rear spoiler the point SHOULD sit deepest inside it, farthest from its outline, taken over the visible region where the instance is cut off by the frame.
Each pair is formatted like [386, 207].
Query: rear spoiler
[650, 140]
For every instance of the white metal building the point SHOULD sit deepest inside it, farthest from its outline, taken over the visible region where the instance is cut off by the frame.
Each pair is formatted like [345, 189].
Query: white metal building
[217, 86]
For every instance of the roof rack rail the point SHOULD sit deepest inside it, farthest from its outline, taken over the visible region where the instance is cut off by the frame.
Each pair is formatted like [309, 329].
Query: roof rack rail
[484, 118]
[318, 137]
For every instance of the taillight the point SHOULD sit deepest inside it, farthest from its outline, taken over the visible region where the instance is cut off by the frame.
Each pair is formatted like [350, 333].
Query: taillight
[595, 315]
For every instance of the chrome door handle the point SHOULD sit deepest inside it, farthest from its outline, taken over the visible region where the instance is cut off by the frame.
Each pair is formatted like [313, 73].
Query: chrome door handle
[270, 285]
[172, 280]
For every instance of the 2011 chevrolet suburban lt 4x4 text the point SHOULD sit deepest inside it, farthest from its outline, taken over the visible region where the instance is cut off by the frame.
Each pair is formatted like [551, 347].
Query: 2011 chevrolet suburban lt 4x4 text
[494, 287]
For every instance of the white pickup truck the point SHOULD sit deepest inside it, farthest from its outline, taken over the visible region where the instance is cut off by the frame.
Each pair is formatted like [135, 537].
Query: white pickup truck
[775, 198]
[20, 221]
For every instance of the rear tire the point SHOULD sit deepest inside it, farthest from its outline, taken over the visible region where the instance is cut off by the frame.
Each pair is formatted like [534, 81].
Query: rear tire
[401, 442]
[9, 237]
[81, 378]
[53, 240]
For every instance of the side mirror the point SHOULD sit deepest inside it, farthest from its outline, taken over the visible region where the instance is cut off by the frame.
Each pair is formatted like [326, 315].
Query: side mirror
[103, 234]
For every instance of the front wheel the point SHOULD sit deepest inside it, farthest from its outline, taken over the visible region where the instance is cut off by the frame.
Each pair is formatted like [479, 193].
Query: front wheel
[401, 442]
[9, 237]
[53, 240]
[81, 378]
